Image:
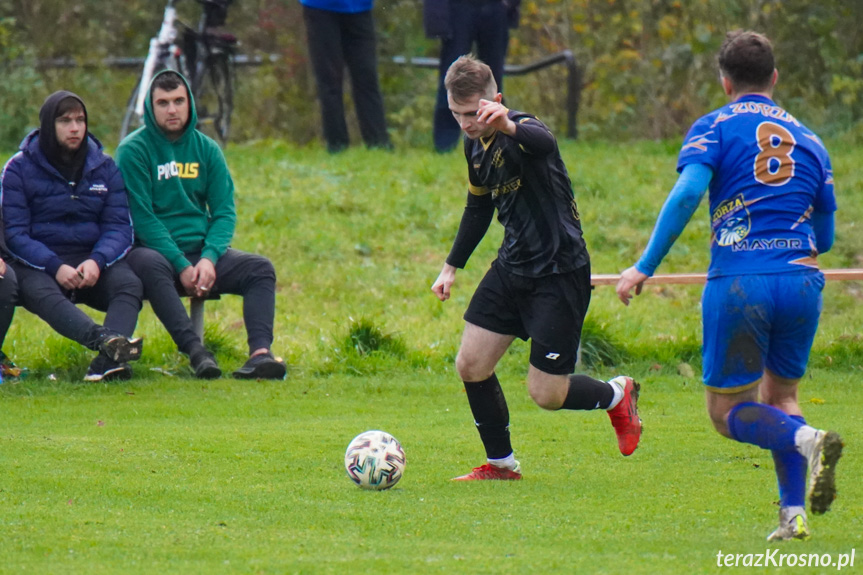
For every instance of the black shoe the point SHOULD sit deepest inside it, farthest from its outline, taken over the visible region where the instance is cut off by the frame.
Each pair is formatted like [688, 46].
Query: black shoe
[103, 368]
[262, 366]
[120, 348]
[204, 365]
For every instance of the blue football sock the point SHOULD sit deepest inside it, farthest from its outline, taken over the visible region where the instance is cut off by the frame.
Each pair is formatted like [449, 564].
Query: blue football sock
[763, 425]
[791, 474]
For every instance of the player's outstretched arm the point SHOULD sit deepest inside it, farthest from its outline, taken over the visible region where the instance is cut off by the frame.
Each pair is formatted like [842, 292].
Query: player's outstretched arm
[681, 203]
[443, 283]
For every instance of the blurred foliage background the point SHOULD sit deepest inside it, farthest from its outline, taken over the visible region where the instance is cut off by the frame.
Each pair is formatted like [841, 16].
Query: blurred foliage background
[648, 66]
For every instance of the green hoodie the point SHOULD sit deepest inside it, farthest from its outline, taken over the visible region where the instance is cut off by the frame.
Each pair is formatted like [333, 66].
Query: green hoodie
[181, 194]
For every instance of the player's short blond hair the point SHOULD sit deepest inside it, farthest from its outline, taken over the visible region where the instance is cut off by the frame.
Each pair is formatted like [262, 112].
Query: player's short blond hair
[468, 77]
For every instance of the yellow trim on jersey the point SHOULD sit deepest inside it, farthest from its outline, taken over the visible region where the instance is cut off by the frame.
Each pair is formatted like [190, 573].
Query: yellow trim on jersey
[477, 190]
[730, 390]
[486, 143]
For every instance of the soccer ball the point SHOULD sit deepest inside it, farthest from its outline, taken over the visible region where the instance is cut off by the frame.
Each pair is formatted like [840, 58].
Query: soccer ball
[375, 460]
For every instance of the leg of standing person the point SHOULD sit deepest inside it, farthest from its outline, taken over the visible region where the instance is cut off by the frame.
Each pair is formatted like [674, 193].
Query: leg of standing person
[463, 25]
[323, 30]
[360, 54]
[492, 38]
[253, 277]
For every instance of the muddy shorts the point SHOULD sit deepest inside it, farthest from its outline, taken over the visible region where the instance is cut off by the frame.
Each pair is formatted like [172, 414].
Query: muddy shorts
[755, 321]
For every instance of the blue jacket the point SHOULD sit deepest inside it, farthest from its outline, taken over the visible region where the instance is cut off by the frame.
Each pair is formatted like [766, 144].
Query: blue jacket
[46, 219]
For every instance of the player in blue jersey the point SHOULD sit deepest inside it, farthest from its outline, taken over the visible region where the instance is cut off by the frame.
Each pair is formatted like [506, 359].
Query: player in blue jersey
[771, 207]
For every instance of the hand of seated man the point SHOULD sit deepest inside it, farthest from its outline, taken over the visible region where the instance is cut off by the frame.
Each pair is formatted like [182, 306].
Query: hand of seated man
[89, 274]
[67, 277]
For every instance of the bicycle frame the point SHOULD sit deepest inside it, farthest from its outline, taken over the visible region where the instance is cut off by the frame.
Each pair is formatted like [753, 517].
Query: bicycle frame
[203, 58]
[161, 47]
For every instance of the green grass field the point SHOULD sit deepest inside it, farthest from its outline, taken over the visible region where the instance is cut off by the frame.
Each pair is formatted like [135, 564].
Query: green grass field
[168, 474]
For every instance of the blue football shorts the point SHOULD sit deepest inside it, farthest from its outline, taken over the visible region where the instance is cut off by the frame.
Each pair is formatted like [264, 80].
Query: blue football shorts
[755, 321]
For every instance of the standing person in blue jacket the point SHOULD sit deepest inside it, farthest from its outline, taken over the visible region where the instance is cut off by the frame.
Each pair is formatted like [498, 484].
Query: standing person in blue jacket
[460, 24]
[771, 205]
[67, 227]
[342, 33]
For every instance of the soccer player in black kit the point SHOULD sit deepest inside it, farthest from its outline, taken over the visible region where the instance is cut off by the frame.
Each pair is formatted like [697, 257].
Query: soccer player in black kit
[539, 285]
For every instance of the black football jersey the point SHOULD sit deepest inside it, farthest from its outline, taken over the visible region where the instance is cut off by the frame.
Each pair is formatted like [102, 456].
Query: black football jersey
[530, 188]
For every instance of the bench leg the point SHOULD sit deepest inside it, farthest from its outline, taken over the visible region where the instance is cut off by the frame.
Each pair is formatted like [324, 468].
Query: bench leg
[196, 312]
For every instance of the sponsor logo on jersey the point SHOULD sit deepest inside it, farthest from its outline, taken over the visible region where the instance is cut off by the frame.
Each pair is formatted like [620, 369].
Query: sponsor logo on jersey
[774, 112]
[506, 187]
[731, 221]
[768, 244]
[497, 158]
[177, 170]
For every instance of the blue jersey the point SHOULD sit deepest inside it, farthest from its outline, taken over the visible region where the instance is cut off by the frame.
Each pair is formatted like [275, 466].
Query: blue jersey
[770, 173]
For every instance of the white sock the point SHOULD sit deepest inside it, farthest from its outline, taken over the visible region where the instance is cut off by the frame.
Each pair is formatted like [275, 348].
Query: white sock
[507, 462]
[794, 511]
[804, 440]
[618, 394]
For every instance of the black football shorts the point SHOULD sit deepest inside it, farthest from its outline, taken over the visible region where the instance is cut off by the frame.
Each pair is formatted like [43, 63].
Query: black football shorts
[549, 311]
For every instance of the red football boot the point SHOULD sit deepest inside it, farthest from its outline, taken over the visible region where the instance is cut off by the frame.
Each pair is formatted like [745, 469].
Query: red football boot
[624, 417]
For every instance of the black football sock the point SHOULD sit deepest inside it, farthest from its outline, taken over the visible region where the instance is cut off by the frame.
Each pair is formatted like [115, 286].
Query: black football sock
[491, 416]
[586, 393]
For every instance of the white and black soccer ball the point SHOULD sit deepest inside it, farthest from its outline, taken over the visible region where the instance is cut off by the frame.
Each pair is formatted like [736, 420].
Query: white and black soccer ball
[375, 460]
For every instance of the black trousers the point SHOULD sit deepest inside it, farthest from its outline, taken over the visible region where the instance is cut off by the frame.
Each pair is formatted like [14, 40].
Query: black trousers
[337, 40]
[486, 24]
[118, 293]
[239, 273]
[8, 301]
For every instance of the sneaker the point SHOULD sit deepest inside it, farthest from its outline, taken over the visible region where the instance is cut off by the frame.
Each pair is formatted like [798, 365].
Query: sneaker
[489, 471]
[120, 348]
[103, 368]
[204, 365]
[792, 525]
[262, 366]
[822, 470]
[624, 416]
[8, 369]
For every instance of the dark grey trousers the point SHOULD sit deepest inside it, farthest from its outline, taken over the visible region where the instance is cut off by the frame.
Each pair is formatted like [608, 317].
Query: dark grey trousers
[239, 273]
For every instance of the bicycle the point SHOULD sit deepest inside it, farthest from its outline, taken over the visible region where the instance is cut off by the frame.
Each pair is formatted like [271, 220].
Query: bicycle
[206, 59]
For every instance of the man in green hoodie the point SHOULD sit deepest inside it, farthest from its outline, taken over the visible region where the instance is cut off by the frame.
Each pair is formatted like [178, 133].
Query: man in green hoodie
[181, 196]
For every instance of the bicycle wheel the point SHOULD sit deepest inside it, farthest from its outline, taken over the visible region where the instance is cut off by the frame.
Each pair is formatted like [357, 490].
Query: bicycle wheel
[214, 98]
[131, 120]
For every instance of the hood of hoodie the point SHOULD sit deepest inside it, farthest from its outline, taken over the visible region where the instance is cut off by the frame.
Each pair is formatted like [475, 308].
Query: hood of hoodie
[67, 165]
[150, 117]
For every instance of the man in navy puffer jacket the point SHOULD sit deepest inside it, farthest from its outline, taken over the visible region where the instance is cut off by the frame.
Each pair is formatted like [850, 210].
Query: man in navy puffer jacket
[67, 227]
